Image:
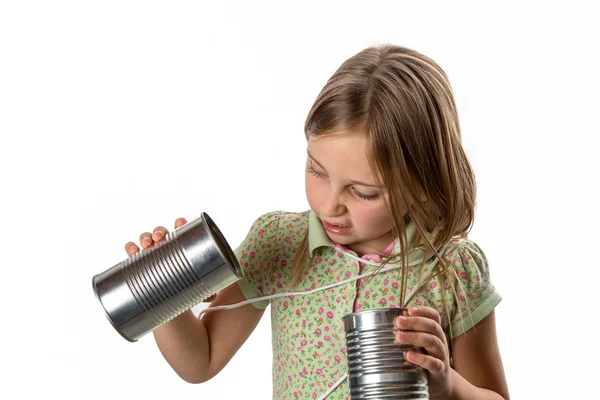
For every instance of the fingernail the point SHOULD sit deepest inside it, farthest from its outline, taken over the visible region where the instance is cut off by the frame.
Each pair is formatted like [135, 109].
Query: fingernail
[401, 320]
[414, 309]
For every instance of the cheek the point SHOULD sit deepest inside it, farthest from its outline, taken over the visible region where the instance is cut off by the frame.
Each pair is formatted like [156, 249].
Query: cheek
[373, 218]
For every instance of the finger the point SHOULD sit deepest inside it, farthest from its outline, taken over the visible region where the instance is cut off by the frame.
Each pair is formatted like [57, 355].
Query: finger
[159, 233]
[421, 324]
[431, 364]
[211, 298]
[146, 240]
[131, 248]
[431, 343]
[180, 222]
[426, 312]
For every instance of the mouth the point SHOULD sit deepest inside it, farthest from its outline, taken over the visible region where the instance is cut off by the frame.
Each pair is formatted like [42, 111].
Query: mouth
[336, 229]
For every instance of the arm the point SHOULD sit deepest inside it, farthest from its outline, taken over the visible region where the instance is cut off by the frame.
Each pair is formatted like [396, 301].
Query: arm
[478, 372]
[198, 349]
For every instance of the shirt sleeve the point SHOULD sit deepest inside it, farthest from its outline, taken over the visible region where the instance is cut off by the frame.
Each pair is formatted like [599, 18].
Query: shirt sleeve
[256, 254]
[475, 295]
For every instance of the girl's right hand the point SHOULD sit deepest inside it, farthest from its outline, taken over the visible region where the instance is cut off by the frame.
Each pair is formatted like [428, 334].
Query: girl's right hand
[149, 240]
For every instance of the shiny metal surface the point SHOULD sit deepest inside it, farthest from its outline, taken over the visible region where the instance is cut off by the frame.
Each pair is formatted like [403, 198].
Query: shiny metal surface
[153, 286]
[376, 365]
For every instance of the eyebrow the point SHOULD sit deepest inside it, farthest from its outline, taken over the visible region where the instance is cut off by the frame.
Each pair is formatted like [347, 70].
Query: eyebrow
[354, 182]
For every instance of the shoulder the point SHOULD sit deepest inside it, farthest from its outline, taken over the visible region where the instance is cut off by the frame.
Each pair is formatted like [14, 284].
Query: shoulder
[475, 293]
[467, 255]
[280, 224]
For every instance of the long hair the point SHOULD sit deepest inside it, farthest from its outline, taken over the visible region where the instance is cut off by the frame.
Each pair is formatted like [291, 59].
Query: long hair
[403, 102]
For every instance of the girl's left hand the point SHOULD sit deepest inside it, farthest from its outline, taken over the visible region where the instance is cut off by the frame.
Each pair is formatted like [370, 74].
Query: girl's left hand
[422, 328]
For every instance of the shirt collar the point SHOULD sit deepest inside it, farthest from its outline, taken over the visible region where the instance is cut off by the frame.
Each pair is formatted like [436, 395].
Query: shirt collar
[317, 237]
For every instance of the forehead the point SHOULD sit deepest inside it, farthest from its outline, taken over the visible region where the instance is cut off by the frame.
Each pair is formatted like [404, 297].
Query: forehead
[343, 156]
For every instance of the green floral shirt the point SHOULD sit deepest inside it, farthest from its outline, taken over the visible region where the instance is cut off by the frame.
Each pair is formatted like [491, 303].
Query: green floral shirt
[309, 350]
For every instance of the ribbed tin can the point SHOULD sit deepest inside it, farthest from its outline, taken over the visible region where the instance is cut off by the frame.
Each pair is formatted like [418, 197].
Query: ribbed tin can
[155, 285]
[376, 365]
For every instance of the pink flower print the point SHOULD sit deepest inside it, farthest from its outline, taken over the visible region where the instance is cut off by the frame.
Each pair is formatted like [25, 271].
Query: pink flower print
[295, 394]
[297, 311]
[318, 260]
[327, 362]
[279, 284]
[297, 334]
[319, 344]
[358, 307]
[338, 358]
[320, 311]
[318, 331]
[338, 299]
[303, 342]
[348, 274]
[303, 322]
[289, 377]
[419, 302]
[276, 259]
[285, 304]
[368, 293]
[468, 260]
[337, 278]
[252, 254]
[314, 395]
[329, 314]
[395, 285]
[343, 350]
[329, 384]
[461, 297]
[283, 263]
[392, 298]
[319, 371]
[326, 329]
[291, 297]
[340, 255]
[385, 281]
[326, 338]
[383, 301]
[463, 275]
[433, 284]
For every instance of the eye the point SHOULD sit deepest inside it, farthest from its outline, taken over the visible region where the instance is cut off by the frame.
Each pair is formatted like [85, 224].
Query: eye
[314, 172]
[364, 196]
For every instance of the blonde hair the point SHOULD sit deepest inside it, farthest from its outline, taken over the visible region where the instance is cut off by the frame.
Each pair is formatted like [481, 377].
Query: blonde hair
[403, 102]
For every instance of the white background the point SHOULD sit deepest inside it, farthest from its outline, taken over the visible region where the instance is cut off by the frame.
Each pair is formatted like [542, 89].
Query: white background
[118, 116]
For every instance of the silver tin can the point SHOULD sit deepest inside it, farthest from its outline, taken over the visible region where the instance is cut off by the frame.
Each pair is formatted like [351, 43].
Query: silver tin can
[376, 365]
[155, 285]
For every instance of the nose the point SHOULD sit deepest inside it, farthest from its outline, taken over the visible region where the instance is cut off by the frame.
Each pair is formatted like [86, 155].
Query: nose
[333, 205]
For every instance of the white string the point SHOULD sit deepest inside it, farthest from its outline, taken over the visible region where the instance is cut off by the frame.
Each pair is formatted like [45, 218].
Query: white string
[332, 388]
[354, 278]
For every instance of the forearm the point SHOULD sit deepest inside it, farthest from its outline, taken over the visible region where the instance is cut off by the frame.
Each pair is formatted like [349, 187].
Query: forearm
[463, 389]
[184, 343]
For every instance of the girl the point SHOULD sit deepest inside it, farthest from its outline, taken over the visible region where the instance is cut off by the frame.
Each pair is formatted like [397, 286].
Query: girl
[388, 183]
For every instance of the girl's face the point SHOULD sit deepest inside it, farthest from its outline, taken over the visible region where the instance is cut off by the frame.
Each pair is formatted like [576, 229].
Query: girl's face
[342, 190]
